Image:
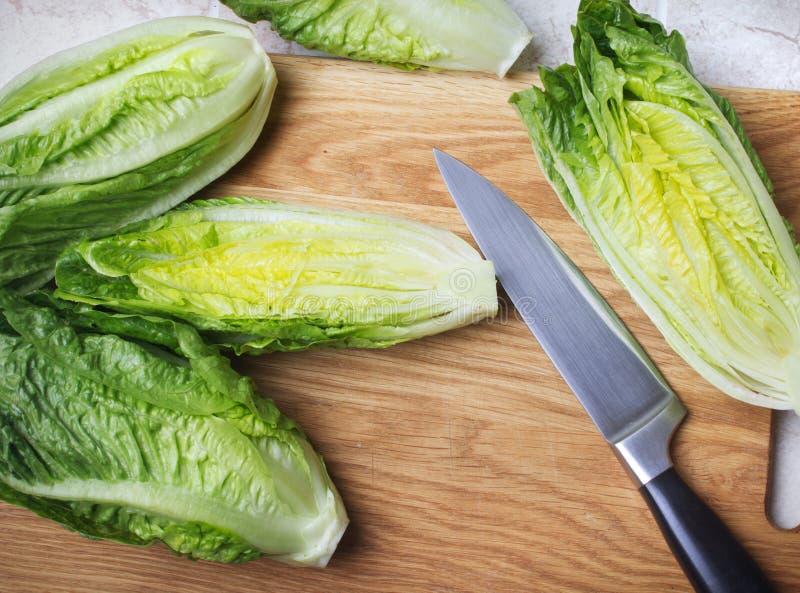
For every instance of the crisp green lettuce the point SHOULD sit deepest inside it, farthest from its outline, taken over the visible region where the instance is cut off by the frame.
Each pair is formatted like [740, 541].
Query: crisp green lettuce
[122, 129]
[658, 171]
[261, 276]
[120, 438]
[452, 34]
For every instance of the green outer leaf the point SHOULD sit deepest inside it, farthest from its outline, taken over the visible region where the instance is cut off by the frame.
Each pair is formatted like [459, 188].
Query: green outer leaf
[216, 476]
[208, 383]
[659, 172]
[559, 112]
[261, 276]
[733, 119]
[453, 34]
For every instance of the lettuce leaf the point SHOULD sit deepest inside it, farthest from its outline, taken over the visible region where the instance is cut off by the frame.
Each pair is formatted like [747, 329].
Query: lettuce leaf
[658, 171]
[126, 440]
[451, 34]
[261, 276]
[122, 129]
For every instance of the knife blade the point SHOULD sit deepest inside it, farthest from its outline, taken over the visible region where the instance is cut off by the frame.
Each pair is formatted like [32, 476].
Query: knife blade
[626, 397]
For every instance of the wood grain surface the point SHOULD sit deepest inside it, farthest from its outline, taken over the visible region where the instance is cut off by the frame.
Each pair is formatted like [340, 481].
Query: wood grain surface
[464, 461]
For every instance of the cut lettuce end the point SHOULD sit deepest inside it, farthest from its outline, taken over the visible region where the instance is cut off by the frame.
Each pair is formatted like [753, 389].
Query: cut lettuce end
[514, 52]
[328, 527]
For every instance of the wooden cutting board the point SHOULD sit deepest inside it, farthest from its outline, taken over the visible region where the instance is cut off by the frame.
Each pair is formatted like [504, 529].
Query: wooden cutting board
[465, 462]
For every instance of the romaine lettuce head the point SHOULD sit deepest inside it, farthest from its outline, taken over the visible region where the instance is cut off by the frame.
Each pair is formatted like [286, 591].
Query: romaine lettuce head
[122, 129]
[484, 35]
[658, 171]
[131, 428]
[262, 276]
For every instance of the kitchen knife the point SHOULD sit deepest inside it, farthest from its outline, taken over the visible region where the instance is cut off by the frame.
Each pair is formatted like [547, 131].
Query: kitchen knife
[624, 394]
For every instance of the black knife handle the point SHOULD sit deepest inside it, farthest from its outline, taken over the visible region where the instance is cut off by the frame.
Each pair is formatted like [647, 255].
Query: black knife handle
[710, 556]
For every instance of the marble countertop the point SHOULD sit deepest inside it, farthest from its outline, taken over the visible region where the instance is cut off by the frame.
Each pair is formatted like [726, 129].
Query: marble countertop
[750, 44]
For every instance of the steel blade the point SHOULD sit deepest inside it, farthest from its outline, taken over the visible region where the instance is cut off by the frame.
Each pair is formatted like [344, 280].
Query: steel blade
[600, 360]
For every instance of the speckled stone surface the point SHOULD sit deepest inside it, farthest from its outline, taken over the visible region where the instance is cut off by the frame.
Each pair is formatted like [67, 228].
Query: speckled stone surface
[751, 44]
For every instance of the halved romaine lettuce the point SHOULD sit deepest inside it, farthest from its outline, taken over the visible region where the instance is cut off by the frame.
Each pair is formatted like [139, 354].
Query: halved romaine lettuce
[138, 441]
[658, 171]
[482, 35]
[122, 129]
[262, 276]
